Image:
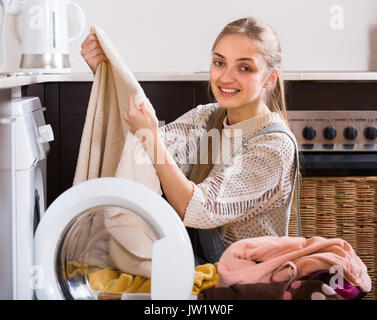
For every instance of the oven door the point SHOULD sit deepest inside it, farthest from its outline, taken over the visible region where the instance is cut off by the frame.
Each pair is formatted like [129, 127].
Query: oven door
[327, 164]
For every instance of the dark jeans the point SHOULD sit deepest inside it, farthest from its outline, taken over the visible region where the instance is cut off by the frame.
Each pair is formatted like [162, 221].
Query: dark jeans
[207, 245]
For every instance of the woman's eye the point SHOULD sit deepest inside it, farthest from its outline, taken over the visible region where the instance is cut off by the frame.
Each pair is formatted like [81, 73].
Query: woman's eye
[220, 64]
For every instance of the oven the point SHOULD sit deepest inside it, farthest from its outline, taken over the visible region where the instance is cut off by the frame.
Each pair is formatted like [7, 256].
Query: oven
[337, 140]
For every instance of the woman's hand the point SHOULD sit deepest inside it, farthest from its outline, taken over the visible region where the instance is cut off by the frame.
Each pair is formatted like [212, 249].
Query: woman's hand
[92, 52]
[177, 188]
[143, 118]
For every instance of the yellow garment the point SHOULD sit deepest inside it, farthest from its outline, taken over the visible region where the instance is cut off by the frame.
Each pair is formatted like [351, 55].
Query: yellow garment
[110, 281]
[103, 279]
[77, 269]
[205, 277]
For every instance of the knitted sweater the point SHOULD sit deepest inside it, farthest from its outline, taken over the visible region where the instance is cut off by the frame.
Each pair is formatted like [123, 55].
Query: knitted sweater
[246, 197]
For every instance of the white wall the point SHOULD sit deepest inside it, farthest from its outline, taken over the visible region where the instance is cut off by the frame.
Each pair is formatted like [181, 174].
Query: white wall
[177, 35]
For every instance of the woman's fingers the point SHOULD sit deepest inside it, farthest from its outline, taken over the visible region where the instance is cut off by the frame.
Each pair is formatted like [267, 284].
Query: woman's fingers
[92, 52]
[93, 45]
[91, 37]
[131, 108]
[132, 114]
[142, 118]
[146, 108]
[150, 107]
[92, 49]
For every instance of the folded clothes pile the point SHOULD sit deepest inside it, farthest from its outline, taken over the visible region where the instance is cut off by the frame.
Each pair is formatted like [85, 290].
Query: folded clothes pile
[265, 268]
[290, 268]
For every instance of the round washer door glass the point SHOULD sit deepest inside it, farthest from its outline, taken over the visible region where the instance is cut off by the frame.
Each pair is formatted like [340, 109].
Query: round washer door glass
[112, 238]
[103, 253]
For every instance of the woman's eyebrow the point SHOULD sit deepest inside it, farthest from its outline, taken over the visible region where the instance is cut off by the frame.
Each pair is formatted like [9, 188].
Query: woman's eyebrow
[240, 59]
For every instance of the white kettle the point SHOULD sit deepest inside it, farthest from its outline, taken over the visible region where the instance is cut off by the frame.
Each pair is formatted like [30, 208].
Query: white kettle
[44, 35]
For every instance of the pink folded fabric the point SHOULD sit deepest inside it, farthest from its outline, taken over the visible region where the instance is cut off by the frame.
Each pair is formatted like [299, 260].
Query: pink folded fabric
[255, 260]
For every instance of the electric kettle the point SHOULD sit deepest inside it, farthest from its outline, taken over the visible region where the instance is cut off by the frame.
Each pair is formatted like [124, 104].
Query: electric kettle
[44, 35]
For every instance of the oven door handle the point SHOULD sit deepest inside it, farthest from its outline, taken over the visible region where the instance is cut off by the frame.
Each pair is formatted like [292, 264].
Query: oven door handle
[339, 161]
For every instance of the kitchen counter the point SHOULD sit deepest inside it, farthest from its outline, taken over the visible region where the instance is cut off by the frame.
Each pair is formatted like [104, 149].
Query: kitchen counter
[19, 81]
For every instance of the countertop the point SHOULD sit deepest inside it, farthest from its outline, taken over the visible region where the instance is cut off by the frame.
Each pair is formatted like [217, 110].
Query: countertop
[19, 81]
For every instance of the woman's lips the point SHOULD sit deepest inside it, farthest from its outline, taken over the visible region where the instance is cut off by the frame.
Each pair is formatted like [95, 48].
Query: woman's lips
[228, 92]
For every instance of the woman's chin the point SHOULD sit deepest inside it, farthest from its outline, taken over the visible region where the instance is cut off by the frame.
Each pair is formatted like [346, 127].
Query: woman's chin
[227, 104]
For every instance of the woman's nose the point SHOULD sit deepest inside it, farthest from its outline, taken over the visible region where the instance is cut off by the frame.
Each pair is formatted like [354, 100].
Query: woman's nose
[227, 76]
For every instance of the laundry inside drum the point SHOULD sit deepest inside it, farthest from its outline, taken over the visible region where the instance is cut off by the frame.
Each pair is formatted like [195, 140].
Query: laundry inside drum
[105, 253]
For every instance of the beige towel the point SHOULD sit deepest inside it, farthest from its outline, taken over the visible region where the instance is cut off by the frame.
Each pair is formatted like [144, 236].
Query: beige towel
[104, 151]
[109, 149]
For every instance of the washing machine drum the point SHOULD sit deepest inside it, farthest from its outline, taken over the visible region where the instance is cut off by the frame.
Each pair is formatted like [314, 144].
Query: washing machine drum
[104, 234]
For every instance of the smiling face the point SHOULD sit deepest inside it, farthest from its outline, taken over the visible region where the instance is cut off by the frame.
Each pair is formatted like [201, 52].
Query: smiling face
[238, 72]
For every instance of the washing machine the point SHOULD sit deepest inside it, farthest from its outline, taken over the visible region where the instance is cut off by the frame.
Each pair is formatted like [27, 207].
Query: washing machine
[24, 141]
[51, 254]
[73, 242]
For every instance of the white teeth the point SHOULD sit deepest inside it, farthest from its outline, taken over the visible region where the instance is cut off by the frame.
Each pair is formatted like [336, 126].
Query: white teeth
[229, 90]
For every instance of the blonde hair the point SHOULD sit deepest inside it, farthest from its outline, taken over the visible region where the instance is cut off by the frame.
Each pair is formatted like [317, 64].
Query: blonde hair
[267, 42]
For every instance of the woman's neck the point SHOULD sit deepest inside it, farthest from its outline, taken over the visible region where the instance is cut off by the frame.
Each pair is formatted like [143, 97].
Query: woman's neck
[245, 112]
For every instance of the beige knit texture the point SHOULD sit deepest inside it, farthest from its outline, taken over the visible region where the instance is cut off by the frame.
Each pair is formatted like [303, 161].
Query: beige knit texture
[246, 197]
[109, 149]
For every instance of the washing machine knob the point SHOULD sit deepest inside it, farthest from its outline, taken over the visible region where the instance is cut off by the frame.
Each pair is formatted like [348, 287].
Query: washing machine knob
[309, 133]
[370, 133]
[46, 134]
[350, 133]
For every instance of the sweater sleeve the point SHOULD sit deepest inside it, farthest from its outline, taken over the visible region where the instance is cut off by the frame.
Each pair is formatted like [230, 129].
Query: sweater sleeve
[243, 186]
[181, 137]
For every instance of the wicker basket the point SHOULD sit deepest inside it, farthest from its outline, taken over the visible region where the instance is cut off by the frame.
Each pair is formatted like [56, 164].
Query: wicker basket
[343, 208]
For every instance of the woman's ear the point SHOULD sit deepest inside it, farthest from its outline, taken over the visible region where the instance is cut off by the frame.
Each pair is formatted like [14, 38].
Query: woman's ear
[272, 78]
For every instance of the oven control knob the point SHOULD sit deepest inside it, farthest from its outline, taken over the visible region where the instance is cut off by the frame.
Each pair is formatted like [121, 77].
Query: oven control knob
[370, 133]
[350, 133]
[329, 133]
[309, 133]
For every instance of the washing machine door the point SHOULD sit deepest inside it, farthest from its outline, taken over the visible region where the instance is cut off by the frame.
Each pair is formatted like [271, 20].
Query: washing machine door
[73, 233]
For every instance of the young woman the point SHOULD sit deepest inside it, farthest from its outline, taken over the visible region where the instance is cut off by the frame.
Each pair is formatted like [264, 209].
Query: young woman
[248, 194]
